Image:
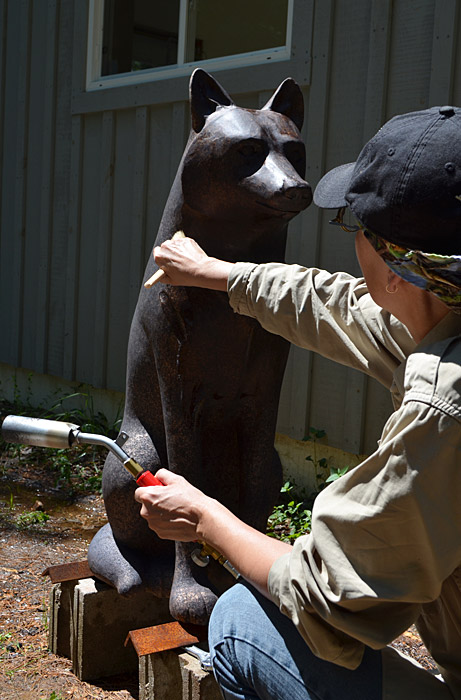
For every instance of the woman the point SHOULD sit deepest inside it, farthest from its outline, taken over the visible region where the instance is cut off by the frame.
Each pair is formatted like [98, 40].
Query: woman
[385, 547]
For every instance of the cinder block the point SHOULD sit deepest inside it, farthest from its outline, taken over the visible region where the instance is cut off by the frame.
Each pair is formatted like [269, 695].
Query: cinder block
[170, 675]
[59, 629]
[196, 683]
[101, 621]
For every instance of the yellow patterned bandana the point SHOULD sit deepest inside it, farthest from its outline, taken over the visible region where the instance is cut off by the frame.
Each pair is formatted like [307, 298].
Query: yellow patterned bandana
[439, 274]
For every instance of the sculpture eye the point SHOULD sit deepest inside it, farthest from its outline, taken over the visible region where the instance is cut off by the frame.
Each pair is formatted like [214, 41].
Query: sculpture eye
[295, 152]
[250, 148]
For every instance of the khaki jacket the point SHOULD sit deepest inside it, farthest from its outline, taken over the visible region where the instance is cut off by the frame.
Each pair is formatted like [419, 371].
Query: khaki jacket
[385, 547]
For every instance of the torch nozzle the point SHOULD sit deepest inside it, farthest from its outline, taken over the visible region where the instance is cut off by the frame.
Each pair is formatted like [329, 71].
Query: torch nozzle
[59, 434]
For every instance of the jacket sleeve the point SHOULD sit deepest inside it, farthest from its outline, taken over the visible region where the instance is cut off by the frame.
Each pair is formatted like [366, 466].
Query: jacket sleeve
[332, 314]
[384, 538]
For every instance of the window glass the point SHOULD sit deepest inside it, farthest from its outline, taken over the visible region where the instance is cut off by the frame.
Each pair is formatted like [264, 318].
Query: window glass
[147, 34]
[139, 35]
[225, 29]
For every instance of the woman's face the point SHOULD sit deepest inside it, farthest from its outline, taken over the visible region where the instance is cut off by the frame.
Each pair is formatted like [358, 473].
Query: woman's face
[374, 269]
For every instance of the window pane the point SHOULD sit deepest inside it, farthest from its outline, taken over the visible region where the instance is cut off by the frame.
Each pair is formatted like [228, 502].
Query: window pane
[225, 29]
[141, 34]
[138, 35]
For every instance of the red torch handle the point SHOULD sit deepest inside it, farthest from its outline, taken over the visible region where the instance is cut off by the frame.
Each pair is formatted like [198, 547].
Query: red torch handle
[148, 479]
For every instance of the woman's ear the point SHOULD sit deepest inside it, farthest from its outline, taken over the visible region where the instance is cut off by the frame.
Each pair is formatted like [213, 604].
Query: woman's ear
[393, 282]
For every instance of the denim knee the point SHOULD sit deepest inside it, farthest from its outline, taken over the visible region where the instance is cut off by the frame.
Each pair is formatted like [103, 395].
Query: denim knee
[221, 623]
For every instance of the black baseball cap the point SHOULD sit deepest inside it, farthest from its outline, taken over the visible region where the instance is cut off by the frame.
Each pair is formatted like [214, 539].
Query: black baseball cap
[405, 186]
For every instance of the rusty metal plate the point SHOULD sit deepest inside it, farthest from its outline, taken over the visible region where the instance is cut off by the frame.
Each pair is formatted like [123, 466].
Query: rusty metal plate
[68, 572]
[171, 635]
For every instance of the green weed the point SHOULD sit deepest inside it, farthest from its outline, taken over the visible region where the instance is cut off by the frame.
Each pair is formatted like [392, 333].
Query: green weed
[35, 517]
[320, 464]
[292, 516]
[336, 473]
[4, 640]
[78, 468]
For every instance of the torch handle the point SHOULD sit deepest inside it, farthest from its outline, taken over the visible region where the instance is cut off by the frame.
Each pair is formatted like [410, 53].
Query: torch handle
[148, 479]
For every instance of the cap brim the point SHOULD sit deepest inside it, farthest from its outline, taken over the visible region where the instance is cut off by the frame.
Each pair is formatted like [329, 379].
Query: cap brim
[331, 190]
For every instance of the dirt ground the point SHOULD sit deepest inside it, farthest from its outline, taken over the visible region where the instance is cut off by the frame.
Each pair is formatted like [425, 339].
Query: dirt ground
[28, 671]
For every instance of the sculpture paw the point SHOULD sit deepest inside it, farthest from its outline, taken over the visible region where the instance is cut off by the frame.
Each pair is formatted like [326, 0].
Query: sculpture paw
[191, 602]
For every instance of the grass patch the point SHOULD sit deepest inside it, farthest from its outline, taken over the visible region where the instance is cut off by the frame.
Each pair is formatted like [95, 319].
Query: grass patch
[292, 515]
[77, 468]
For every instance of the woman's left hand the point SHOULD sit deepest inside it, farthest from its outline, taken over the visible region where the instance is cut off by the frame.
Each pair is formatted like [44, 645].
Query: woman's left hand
[174, 510]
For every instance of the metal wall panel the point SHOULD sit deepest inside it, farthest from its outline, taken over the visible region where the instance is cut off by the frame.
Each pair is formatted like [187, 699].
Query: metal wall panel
[83, 190]
[14, 109]
[59, 189]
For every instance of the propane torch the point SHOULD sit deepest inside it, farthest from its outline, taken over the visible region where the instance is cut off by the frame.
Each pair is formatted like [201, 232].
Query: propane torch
[42, 432]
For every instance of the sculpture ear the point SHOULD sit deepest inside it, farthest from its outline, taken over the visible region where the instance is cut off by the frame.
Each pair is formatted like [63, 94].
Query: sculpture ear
[206, 95]
[288, 100]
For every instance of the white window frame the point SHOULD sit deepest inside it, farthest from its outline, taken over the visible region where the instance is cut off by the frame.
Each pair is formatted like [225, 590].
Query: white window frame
[94, 81]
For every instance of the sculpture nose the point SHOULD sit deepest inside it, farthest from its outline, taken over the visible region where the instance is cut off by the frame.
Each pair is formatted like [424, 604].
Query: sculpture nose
[301, 194]
[287, 182]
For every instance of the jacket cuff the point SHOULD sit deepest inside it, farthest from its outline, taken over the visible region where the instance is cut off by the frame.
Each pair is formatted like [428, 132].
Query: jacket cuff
[237, 284]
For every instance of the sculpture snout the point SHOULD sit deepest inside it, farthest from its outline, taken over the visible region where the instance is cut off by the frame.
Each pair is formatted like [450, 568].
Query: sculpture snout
[300, 194]
[283, 185]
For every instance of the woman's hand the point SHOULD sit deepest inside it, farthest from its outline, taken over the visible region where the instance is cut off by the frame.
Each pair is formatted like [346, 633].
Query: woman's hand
[185, 263]
[174, 510]
[179, 511]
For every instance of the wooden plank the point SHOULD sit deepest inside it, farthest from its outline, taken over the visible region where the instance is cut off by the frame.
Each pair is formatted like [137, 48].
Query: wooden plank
[79, 325]
[79, 44]
[160, 172]
[18, 223]
[457, 64]
[378, 65]
[121, 244]
[444, 43]
[410, 56]
[73, 250]
[89, 242]
[46, 194]
[32, 202]
[3, 38]
[4, 183]
[101, 283]
[59, 225]
[140, 184]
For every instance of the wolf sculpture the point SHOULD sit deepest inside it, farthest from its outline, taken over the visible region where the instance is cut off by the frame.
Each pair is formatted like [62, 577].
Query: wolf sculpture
[203, 383]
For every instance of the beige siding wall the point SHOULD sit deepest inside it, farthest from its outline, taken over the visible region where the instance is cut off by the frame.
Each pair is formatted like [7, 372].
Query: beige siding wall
[84, 183]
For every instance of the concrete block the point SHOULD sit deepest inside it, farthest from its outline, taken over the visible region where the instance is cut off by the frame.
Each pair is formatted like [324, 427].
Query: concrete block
[170, 675]
[60, 619]
[196, 683]
[101, 621]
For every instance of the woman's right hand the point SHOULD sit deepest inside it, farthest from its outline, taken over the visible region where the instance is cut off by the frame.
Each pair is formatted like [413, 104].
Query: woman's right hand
[185, 263]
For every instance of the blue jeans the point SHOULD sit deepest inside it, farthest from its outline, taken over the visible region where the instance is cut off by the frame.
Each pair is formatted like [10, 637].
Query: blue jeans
[258, 653]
